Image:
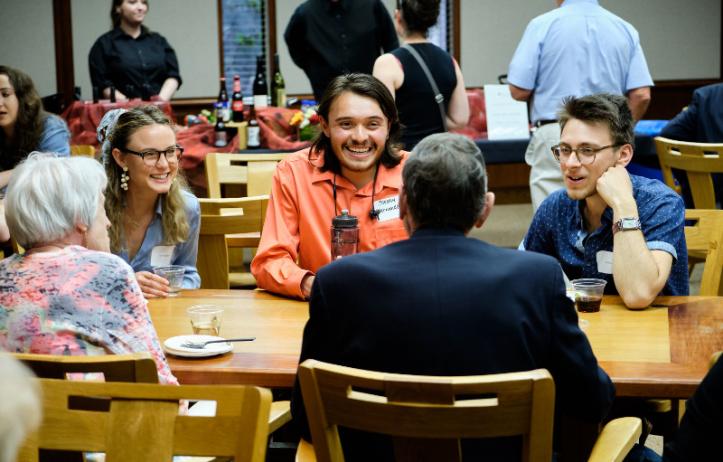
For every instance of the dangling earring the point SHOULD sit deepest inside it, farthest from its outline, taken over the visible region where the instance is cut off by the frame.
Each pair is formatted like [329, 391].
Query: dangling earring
[124, 179]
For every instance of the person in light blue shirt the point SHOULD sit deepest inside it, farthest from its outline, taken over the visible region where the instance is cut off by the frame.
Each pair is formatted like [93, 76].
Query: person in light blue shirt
[155, 221]
[24, 125]
[577, 49]
[608, 224]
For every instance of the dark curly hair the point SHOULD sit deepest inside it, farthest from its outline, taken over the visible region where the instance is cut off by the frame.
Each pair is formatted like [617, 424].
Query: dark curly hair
[419, 15]
[30, 120]
[362, 85]
[611, 110]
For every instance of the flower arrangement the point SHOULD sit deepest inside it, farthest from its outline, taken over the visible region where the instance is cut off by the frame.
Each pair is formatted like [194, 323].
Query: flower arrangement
[306, 122]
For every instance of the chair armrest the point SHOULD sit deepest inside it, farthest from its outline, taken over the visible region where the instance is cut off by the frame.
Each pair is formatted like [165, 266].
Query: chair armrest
[279, 415]
[616, 440]
[305, 452]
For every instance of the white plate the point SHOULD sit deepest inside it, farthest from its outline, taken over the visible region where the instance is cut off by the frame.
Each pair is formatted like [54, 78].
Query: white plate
[174, 346]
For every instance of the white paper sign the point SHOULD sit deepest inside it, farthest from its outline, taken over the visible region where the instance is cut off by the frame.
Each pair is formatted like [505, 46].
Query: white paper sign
[387, 208]
[506, 117]
[604, 262]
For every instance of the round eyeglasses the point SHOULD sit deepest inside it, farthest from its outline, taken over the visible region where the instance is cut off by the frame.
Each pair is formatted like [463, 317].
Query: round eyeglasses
[585, 154]
[151, 156]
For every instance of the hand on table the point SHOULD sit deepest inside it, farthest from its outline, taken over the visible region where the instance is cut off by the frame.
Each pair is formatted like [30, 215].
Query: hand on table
[152, 285]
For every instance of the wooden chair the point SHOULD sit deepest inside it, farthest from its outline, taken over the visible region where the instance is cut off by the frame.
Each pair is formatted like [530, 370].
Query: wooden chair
[225, 222]
[705, 237]
[698, 160]
[87, 150]
[426, 416]
[133, 367]
[144, 423]
[254, 171]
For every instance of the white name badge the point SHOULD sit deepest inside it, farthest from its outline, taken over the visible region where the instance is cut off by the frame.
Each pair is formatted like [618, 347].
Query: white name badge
[387, 208]
[161, 255]
[605, 262]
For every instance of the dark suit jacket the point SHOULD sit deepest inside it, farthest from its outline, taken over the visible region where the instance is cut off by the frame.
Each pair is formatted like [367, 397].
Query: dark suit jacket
[443, 304]
[702, 122]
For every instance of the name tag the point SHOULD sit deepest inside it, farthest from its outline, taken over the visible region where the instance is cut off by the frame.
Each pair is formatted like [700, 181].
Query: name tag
[604, 262]
[161, 255]
[387, 208]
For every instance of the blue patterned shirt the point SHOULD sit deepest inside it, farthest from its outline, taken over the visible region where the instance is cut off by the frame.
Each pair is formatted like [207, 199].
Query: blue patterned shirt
[558, 230]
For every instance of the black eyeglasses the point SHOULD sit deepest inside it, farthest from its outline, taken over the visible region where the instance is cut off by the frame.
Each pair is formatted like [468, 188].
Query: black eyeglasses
[585, 154]
[151, 156]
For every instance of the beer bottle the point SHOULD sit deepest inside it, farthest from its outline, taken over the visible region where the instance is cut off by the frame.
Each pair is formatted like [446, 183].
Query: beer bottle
[222, 103]
[237, 100]
[253, 131]
[261, 88]
[112, 94]
[278, 86]
[220, 137]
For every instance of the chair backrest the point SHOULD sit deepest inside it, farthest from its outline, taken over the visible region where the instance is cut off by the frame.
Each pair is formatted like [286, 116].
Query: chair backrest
[252, 170]
[425, 415]
[705, 236]
[132, 367]
[87, 150]
[143, 422]
[698, 160]
[220, 217]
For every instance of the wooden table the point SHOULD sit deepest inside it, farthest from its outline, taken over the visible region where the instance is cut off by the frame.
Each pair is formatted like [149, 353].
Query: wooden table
[270, 361]
[662, 351]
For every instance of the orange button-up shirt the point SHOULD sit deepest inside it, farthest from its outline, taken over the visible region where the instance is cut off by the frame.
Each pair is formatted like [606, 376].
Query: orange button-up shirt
[296, 239]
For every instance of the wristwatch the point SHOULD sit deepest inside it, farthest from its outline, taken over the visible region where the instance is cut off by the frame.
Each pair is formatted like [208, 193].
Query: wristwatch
[626, 224]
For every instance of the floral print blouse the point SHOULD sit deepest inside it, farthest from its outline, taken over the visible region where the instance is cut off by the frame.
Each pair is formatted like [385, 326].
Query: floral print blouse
[75, 301]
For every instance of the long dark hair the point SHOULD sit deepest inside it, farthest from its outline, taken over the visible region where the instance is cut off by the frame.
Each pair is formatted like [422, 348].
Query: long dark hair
[29, 123]
[362, 85]
[115, 17]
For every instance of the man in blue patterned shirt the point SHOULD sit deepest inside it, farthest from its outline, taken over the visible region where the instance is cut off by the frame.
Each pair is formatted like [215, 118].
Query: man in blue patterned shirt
[607, 223]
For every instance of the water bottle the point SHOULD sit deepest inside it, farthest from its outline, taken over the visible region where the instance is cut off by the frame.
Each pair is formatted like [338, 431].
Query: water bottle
[344, 235]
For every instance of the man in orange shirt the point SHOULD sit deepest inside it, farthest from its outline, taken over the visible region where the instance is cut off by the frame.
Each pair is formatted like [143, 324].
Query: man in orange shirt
[352, 165]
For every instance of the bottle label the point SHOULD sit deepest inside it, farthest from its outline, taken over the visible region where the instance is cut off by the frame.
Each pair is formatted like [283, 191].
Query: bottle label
[281, 97]
[260, 101]
[238, 105]
[220, 138]
[253, 136]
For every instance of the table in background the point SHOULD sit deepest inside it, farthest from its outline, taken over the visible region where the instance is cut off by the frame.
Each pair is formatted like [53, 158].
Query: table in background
[83, 117]
[662, 351]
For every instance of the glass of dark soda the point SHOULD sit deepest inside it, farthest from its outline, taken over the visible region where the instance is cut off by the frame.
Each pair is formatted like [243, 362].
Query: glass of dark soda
[588, 294]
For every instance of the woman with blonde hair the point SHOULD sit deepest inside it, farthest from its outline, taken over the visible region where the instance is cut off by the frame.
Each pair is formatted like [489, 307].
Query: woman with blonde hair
[154, 218]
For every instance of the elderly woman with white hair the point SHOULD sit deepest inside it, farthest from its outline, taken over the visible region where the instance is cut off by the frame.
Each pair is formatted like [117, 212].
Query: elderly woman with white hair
[67, 295]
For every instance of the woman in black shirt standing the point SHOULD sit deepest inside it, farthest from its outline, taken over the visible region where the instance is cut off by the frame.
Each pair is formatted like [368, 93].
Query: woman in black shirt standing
[419, 112]
[136, 62]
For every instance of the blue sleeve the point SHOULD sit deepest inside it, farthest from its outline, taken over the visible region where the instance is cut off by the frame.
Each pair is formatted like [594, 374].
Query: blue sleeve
[525, 62]
[638, 73]
[186, 252]
[664, 223]
[684, 126]
[55, 137]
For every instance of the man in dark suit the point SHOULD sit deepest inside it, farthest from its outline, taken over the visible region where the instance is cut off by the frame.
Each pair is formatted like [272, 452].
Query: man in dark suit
[700, 122]
[440, 303]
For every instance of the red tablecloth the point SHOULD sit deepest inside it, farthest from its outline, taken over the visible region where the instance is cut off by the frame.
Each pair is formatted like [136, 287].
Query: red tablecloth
[83, 117]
